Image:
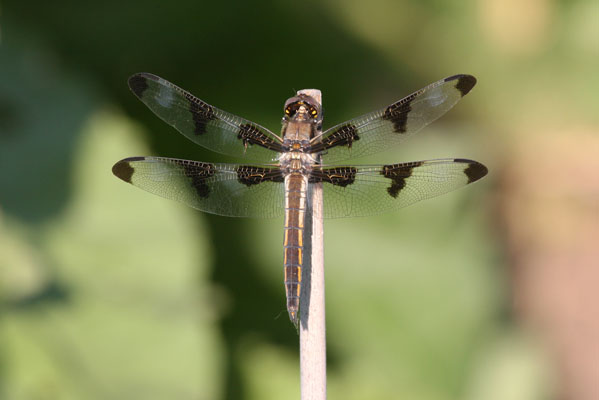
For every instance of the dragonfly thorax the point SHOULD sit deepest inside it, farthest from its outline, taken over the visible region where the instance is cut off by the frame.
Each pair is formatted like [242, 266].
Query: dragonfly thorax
[296, 161]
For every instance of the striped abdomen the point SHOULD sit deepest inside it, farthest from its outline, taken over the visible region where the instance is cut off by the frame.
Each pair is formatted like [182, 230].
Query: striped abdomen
[295, 210]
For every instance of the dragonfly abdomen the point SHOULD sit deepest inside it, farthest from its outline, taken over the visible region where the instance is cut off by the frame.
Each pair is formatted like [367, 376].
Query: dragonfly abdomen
[295, 210]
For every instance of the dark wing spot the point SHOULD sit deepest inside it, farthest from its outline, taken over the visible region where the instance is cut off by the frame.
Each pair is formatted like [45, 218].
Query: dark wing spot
[398, 173]
[249, 175]
[464, 83]
[338, 176]
[199, 173]
[474, 171]
[397, 113]
[345, 135]
[123, 168]
[201, 112]
[138, 84]
[250, 134]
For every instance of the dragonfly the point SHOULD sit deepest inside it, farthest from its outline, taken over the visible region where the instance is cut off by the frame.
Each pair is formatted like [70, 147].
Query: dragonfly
[276, 179]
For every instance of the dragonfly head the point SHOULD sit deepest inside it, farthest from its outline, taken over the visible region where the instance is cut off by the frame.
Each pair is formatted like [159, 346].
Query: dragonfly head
[302, 108]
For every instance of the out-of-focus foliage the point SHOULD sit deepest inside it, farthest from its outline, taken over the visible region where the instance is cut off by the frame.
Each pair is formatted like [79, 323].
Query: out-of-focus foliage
[107, 292]
[90, 311]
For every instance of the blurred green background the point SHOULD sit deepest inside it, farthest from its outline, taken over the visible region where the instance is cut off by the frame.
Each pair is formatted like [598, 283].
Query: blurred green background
[107, 292]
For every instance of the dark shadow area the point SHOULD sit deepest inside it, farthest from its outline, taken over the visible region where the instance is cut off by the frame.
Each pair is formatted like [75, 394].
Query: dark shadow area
[42, 110]
[52, 293]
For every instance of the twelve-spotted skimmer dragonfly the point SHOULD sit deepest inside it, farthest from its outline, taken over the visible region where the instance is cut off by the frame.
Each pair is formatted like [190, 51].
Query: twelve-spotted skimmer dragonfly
[289, 163]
